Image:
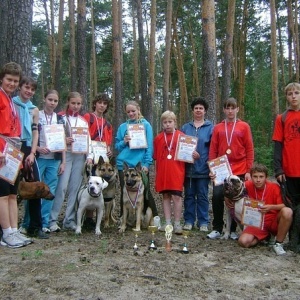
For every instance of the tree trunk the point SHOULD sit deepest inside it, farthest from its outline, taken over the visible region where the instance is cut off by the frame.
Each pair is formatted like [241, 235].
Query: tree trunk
[209, 57]
[290, 37]
[81, 51]
[73, 80]
[135, 56]
[166, 71]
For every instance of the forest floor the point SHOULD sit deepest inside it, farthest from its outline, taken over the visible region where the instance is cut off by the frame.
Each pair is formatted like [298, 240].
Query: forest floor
[67, 266]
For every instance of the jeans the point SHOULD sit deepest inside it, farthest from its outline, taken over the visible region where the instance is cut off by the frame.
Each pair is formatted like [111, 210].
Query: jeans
[196, 202]
[48, 172]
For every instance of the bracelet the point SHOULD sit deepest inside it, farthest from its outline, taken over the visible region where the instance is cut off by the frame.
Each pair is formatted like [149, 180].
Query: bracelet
[33, 153]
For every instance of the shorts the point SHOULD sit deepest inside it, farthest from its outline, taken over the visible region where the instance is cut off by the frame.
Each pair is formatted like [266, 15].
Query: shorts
[270, 226]
[8, 189]
[172, 192]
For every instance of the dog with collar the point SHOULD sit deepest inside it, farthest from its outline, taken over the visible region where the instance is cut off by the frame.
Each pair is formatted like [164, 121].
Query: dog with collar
[90, 197]
[234, 190]
[133, 200]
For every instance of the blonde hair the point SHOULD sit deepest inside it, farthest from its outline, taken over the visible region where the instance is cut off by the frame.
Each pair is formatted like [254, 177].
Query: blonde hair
[73, 95]
[292, 86]
[134, 103]
[168, 115]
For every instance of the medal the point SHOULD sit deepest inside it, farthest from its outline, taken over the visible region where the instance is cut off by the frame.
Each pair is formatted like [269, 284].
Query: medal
[228, 151]
[229, 139]
[169, 156]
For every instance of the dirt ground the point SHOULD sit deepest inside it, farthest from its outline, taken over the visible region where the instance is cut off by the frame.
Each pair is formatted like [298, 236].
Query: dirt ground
[67, 266]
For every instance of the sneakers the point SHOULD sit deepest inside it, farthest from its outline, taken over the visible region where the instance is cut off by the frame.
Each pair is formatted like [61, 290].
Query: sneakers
[272, 241]
[69, 227]
[177, 229]
[214, 235]
[203, 228]
[38, 233]
[46, 230]
[26, 240]
[278, 249]
[55, 228]
[234, 236]
[187, 226]
[12, 241]
[23, 230]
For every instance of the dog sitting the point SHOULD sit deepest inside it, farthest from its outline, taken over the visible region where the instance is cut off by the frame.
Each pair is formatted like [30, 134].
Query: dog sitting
[34, 190]
[90, 197]
[133, 200]
[108, 171]
[234, 190]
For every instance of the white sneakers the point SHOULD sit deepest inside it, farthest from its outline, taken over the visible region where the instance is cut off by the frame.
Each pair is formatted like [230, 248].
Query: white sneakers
[54, 228]
[278, 249]
[214, 235]
[203, 228]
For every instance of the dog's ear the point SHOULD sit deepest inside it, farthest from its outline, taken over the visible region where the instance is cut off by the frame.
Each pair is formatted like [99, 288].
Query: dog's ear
[139, 167]
[125, 166]
[104, 184]
[100, 161]
[112, 161]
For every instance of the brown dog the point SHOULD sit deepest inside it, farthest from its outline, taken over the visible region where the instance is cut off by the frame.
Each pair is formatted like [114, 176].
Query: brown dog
[34, 190]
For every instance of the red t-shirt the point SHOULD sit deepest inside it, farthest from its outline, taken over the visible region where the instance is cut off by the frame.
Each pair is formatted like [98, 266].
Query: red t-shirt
[289, 135]
[9, 120]
[242, 151]
[169, 172]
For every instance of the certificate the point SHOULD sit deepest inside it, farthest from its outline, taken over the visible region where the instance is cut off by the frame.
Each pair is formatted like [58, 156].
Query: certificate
[80, 136]
[55, 137]
[221, 167]
[137, 135]
[14, 158]
[99, 149]
[252, 216]
[186, 145]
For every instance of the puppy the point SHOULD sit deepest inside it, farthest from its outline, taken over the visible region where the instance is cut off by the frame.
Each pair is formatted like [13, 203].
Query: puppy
[133, 200]
[234, 190]
[91, 197]
[108, 171]
[34, 190]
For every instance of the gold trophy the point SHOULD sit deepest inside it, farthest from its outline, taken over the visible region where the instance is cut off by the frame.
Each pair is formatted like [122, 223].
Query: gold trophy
[168, 234]
[152, 229]
[185, 234]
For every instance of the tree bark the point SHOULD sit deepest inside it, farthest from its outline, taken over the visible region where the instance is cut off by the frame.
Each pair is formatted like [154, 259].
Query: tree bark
[73, 71]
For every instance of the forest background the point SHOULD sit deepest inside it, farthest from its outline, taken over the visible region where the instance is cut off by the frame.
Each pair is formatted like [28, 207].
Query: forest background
[162, 53]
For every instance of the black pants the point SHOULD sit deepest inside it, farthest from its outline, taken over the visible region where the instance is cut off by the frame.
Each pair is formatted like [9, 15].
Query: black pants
[34, 206]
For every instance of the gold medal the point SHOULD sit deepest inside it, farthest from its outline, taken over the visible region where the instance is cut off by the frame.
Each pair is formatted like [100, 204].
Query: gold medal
[228, 151]
[169, 156]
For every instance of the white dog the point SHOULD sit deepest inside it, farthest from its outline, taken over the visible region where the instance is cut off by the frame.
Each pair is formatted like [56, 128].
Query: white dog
[90, 197]
[234, 190]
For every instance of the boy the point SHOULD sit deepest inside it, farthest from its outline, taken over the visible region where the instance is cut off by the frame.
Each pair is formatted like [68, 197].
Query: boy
[286, 137]
[231, 137]
[278, 217]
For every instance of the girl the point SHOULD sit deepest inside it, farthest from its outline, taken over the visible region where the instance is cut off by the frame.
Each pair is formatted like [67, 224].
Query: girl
[29, 116]
[70, 180]
[10, 129]
[133, 156]
[169, 172]
[50, 164]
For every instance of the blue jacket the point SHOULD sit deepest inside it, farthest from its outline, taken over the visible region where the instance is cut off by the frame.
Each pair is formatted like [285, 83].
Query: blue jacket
[199, 169]
[133, 156]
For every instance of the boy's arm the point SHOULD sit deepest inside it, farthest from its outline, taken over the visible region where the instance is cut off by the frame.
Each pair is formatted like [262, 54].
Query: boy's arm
[35, 136]
[278, 159]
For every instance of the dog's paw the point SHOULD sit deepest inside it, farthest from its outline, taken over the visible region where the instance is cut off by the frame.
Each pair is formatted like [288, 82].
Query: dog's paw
[106, 224]
[136, 229]
[98, 232]
[122, 229]
[78, 231]
[225, 236]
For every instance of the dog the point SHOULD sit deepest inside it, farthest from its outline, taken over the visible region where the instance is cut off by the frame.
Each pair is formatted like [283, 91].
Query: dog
[90, 197]
[34, 190]
[234, 190]
[133, 200]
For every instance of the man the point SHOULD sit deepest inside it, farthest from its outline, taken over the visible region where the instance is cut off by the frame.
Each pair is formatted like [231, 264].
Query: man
[231, 137]
[278, 217]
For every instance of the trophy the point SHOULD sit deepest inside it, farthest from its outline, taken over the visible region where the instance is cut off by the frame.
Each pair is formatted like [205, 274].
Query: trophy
[152, 229]
[168, 234]
[185, 234]
[156, 221]
[135, 247]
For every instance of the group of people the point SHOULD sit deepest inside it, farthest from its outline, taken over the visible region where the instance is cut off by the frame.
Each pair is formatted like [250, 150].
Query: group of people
[232, 137]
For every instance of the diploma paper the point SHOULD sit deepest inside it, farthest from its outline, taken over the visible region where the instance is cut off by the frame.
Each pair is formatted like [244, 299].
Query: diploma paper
[14, 159]
[221, 167]
[99, 149]
[55, 137]
[138, 136]
[186, 145]
[81, 140]
[252, 216]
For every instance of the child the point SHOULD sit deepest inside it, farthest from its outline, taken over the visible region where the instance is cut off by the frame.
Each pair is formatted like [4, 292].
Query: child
[70, 180]
[29, 116]
[10, 131]
[278, 217]
[169, 172]
[50, 164]
[100, 130]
